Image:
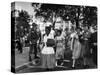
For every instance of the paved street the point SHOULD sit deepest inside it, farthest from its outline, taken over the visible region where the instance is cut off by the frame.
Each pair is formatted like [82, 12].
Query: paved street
[22, 61]
[66, 66]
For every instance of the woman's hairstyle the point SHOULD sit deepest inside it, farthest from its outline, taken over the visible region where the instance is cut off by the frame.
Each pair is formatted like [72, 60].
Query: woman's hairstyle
[48, 28]
[60, 31]
[34, 24]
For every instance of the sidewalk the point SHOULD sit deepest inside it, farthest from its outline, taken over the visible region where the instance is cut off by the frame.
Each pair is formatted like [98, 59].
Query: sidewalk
[21, 60]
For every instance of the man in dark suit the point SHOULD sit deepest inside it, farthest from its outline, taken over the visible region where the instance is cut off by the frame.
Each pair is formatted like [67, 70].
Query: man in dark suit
[33, 37]
[93, 45]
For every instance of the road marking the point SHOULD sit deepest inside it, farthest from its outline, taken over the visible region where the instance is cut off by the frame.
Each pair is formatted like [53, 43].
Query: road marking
[66, 60]
[22, 65]
[26, 63]
[62, 66]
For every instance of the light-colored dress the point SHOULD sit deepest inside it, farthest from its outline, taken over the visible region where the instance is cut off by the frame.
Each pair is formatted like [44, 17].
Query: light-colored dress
[59, 47]
[75, 46]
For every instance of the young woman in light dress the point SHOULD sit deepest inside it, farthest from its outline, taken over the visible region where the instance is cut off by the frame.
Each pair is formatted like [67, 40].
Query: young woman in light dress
[75, 46]
[59, 48]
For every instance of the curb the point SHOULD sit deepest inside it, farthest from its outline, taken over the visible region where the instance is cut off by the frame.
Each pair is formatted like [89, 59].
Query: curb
[18, 68]
[21, 67]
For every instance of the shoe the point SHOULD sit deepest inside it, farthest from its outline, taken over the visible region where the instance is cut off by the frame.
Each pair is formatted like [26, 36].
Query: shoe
[31, 64]
[62, 64]
[30, 59]
[48, 69]
[36, 57]
[86, 66]
[73, 67]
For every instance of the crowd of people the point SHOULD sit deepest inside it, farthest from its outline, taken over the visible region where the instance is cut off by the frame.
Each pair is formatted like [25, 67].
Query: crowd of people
[50, 47]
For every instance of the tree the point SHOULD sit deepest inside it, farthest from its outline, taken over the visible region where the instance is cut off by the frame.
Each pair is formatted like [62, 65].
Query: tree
[90, 15]
[50, 11]
[68, 12]
[22, 23]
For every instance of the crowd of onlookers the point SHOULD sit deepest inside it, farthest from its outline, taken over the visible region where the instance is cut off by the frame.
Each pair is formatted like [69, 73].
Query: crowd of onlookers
[51, 46]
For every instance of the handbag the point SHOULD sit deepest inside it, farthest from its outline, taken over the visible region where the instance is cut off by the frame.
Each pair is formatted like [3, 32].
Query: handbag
[50, 42]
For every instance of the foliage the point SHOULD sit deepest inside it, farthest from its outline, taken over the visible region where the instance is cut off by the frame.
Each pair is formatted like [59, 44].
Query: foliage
[21, 22]
[68, 12]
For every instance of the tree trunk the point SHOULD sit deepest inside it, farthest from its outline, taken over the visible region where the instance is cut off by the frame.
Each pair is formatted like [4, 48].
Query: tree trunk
[77, 18]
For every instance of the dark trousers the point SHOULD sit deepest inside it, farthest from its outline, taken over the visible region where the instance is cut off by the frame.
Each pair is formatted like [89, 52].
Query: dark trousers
[33, 51]
[20, 48]
[94, 54]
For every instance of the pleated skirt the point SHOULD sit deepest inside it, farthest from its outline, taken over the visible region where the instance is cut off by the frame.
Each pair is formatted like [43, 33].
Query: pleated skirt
[48, 61]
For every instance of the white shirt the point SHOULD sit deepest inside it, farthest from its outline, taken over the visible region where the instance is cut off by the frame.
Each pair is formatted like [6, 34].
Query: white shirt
[48, 50]
[52, 33]
[72, 36]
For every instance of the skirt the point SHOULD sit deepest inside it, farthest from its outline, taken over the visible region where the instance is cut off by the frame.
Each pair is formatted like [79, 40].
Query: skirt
[59, 53]
[48, 60]
[77, 50]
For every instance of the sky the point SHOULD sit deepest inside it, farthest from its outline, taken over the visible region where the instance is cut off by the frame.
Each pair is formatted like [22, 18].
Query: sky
[24, 6]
